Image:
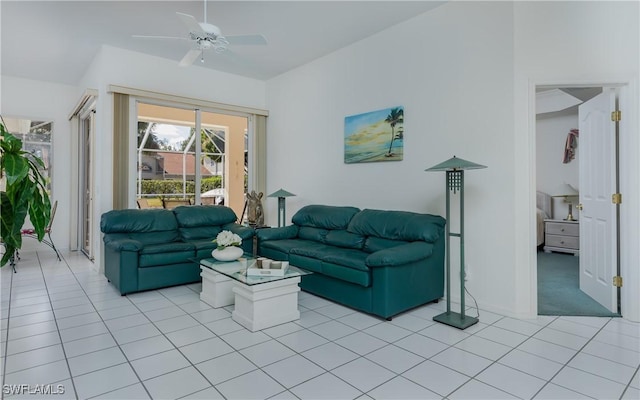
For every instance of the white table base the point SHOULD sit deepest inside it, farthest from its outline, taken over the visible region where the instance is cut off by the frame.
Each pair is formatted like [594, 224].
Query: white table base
[265, 305]
[217, 289]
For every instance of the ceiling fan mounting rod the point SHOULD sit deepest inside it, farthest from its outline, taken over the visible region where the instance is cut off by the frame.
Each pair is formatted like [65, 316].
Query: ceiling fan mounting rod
[205, 11]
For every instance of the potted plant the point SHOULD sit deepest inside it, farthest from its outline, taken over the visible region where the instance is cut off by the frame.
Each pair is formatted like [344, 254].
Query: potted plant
[228, 246]
[25, 192]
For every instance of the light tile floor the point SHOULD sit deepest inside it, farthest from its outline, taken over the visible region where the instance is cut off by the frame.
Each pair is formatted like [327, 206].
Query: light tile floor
[64, 324]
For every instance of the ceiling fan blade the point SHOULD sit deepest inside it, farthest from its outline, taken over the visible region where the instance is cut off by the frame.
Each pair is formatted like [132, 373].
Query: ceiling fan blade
[246, 39]
[158, 37]
[190, 21]
[190, 57]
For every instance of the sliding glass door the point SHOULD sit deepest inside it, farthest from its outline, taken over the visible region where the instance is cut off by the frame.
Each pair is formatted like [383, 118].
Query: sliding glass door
[189, 156]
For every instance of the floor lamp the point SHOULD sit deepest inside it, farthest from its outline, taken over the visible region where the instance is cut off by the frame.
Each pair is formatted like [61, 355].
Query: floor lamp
[455, 167]
[281, 195]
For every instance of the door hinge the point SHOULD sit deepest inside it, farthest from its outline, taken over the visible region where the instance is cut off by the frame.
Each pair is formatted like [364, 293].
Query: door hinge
[616, 116]
[616, 198]
[617, 281]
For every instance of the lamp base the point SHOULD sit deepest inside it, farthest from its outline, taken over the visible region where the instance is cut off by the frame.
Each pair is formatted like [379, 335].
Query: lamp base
[455, 319]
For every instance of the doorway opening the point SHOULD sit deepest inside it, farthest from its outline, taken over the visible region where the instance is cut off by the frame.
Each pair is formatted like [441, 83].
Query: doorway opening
[572, 165]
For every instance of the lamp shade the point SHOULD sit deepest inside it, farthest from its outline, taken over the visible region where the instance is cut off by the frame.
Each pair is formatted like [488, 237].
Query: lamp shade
[565, 190]
[455, 164]
[281, 193]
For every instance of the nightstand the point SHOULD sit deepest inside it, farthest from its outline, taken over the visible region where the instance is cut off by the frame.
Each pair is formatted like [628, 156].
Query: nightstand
[563, 236]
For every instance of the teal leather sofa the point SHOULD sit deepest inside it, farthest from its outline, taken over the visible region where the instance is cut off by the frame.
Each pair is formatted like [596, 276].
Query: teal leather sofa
[152, 248]
[379, 262]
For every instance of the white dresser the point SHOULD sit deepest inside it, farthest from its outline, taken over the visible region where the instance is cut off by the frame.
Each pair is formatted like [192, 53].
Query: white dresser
[563, 236]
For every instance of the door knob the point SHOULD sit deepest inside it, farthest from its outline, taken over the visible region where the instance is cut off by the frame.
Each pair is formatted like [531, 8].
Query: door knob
[579, 206]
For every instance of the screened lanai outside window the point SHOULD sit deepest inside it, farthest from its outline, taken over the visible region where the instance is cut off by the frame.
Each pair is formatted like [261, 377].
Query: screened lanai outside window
[36, 139]
[177, 166]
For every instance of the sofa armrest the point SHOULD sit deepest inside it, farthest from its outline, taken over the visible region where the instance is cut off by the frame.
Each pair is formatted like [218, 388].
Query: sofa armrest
[245, 232]
[124, 244]
[285, 232]
[400, 255]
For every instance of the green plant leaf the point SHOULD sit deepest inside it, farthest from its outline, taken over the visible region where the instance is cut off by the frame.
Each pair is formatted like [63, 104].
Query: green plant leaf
[39, 213]
[16, 167]
[26, 192]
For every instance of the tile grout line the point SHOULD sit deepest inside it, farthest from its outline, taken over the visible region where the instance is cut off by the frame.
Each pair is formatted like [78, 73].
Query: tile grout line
[493, 362]
[566, 365]
[114, 340]
[66, 360]
[359, 356]
[629, 383]
[6, 344]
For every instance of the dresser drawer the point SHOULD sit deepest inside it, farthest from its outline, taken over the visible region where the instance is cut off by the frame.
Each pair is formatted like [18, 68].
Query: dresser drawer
[569, 242]
[558, 228]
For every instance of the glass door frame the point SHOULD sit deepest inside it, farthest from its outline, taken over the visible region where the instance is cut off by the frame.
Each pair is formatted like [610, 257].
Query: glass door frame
[86, 225]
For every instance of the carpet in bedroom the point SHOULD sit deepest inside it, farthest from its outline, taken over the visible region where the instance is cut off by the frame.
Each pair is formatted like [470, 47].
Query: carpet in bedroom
[559, 288]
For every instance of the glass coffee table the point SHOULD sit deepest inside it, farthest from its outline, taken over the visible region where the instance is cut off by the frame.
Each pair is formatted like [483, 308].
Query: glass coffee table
[260, 301]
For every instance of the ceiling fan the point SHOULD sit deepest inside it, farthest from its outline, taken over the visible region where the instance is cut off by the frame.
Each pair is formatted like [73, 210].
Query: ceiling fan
[207, 36]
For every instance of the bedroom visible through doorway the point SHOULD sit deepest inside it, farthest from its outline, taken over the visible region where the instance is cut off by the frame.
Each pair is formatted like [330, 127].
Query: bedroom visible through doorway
[558, 198]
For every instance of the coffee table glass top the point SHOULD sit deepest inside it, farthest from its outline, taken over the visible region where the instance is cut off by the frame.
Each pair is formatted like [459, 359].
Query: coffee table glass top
[238, 270]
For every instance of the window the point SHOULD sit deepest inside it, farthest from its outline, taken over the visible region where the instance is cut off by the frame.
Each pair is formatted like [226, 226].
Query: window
[36, 139]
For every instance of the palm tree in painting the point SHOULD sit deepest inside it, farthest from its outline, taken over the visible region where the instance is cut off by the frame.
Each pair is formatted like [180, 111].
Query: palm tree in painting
[396, 116]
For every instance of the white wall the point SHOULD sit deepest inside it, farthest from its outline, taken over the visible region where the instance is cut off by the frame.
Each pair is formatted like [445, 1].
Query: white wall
[451, 69]
[551, 172]
[50, 102]
[585, 44]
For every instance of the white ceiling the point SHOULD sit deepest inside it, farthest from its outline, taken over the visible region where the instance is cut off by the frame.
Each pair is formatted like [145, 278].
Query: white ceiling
[56, 40]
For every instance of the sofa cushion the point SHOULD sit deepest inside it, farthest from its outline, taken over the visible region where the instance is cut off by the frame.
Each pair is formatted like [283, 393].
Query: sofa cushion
[362, 278]
[313, 234]
[313, 250]
[194, 216]
[343, 238]
[199, 232]
[285, 245]
[327, 217]
[167, 248]
[373, 244]
[202, 222]
[397, 225]
[202, 244]
[165, 254]
[348, 257]
[308, 263]
[147, 226]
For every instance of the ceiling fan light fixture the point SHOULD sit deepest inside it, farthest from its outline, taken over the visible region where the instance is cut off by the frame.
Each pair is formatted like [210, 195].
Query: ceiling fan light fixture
[210, 29]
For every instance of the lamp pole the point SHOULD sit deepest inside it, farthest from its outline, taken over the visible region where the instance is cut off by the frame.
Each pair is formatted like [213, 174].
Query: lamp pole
[454, 169]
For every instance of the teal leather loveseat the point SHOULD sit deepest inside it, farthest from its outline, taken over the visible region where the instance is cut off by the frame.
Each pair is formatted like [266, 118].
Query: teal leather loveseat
[379, 262]
[154, 248]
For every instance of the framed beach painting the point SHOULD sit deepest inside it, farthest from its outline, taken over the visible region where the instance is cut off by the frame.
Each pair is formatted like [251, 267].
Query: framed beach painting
[374, 136]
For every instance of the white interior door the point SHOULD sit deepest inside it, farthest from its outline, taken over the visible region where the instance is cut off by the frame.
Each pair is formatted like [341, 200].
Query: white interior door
[597, 163]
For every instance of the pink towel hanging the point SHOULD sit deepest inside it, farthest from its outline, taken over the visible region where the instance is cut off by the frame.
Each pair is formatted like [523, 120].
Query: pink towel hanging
[570, 146]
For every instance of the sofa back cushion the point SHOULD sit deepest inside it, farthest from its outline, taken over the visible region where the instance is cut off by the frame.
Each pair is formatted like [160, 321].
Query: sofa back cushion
[342, 238]
[397, 225]
[314, 234]
[202, 222]
[324, 217]
[146, 226]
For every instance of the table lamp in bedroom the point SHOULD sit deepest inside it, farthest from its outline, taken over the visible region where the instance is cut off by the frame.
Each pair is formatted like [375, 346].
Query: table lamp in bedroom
[567, 191]
[455, 167]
